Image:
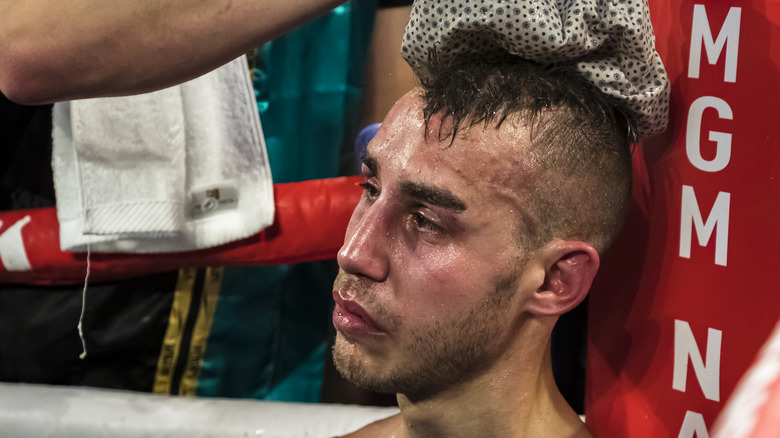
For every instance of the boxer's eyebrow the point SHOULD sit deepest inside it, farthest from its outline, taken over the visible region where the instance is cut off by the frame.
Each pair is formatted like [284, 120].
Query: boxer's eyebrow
[371, 163]
[437, 196]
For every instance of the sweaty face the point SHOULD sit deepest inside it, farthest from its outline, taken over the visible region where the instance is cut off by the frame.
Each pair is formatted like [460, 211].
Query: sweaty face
[426, 295]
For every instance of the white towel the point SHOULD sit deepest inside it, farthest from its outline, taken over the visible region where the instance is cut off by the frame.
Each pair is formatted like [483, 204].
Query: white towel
[178, 169]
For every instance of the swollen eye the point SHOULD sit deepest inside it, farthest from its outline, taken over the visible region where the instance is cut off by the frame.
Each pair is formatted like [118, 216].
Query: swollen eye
[369, 189]
[422, 222]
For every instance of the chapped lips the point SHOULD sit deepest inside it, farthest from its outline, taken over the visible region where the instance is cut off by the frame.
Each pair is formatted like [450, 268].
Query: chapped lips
[350, 317]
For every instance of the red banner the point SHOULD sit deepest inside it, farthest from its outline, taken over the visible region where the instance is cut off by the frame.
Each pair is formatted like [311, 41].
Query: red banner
[690, 291]
[310, 223]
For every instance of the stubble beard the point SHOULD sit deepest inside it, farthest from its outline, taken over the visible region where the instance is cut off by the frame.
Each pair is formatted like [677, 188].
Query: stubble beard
[436, 356]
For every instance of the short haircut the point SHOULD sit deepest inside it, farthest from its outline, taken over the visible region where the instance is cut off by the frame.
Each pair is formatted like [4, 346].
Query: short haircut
[580, 139]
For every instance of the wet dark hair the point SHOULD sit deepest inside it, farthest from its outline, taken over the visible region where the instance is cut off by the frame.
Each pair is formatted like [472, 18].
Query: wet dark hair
[580, 139]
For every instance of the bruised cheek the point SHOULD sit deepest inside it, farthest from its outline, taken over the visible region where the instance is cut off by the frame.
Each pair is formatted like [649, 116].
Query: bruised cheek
[437, 276]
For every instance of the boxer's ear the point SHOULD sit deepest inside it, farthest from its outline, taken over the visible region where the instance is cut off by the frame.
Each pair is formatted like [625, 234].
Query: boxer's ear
[570, 267]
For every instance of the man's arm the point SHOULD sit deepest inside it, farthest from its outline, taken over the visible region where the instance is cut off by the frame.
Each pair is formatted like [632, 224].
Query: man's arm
[54, 50]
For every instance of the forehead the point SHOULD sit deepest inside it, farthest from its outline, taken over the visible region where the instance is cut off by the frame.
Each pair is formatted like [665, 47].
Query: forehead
[484, 159]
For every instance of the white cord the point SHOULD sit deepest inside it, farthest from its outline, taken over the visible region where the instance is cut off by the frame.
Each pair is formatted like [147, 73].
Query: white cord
[83, 354]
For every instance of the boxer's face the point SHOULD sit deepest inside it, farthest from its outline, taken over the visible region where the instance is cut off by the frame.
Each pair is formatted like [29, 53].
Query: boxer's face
[430, 269]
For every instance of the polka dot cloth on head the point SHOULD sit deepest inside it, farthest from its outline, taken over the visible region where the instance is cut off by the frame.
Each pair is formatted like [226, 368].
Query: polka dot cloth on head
[611, 42]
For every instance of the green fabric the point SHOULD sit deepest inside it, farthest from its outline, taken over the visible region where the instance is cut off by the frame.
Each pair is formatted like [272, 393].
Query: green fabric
[271, 325]
[309, 87]
[267, 339]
